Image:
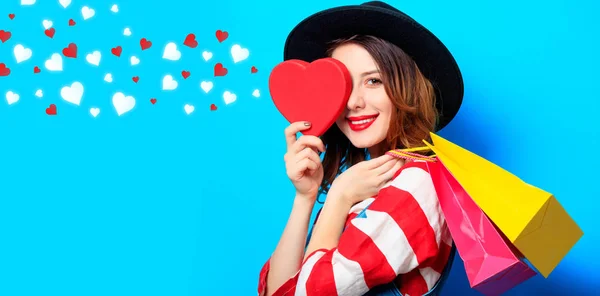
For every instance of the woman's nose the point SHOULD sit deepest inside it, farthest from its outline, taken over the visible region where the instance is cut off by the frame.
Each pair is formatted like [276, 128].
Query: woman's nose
[356, 100]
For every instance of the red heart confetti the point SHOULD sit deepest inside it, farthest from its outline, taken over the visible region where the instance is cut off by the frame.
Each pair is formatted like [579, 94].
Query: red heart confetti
[145, 44]
[51, 110]
[117, 51]
[4, 35]
[70, 51]
[50, 32]
[221, 35]
[11, 16]
[190, 41]
[4, 71]
[220, 70]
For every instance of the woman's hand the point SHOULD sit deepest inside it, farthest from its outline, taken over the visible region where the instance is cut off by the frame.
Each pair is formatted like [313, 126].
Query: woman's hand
[364, 180]
[302, 162]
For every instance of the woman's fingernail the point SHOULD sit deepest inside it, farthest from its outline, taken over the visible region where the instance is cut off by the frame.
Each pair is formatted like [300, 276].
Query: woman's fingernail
[307, 123]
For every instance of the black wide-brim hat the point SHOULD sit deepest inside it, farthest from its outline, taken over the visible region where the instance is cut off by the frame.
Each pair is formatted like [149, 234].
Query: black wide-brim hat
[309, 39]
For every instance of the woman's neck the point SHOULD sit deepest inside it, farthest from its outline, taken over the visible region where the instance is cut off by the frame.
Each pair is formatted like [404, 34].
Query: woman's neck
[376, 151]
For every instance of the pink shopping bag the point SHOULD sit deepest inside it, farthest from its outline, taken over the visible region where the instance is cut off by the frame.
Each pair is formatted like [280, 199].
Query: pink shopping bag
[492, 264]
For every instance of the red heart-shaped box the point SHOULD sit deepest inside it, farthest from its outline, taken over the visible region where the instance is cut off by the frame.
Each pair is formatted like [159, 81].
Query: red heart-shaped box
[316, 92]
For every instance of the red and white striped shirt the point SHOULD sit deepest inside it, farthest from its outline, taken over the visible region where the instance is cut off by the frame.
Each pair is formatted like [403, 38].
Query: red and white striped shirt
[403, 239]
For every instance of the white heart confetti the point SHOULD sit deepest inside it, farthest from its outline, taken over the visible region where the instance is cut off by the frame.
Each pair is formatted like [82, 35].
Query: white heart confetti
[127, 32]
[54, 63]
[94, 58]
[238, 53]
[21, 53]
[108, 78]
[39, 93]
[207, 55]
[188, 108]
[171, 52]
[73, 93]
[64, 3]
[256, 93]
[229, 97]
[168, 83]
[114, 8]
[11, 97]
[122, 103]
[94, 111]
[134, 60]
[27, 2]
[47, 24]
[206, 86]
[87, 12]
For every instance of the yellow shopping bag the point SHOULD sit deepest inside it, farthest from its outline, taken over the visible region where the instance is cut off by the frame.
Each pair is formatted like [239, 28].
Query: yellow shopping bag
[531, 218]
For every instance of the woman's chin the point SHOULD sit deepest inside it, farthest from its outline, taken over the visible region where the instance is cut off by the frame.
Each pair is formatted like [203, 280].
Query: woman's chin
[368, 138]
[365, 141]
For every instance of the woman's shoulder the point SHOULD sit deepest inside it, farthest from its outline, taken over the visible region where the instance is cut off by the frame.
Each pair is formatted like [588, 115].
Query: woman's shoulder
[413, 193]
[414, 173]
[414, 184]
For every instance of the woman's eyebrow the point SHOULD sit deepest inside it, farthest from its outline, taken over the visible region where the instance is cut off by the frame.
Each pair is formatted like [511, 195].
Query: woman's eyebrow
[369, 72]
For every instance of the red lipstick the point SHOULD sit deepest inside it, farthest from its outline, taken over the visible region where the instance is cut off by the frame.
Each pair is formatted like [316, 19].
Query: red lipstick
[359, 123]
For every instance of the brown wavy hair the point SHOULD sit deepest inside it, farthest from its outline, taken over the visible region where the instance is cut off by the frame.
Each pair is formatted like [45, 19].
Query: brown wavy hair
[414, 114]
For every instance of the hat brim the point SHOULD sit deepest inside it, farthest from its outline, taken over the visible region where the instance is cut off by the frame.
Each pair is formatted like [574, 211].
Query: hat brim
[308, 41]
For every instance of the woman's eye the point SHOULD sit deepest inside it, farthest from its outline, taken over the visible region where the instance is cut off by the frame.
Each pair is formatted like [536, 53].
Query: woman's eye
[373, 81]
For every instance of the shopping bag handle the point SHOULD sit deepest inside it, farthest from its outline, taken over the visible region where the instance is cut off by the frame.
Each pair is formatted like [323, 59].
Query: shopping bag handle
[408, 153]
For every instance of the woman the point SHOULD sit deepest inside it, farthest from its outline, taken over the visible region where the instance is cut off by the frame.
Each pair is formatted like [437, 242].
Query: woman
[405, 85]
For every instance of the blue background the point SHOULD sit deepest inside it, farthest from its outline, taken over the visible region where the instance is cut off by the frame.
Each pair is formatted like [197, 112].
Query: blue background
[156, 202]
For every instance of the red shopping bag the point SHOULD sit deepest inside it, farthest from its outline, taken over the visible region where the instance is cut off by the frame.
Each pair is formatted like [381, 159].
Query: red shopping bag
[490, 260]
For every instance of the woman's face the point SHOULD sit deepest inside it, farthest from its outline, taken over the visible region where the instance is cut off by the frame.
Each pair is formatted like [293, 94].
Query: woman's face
[366, 119]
